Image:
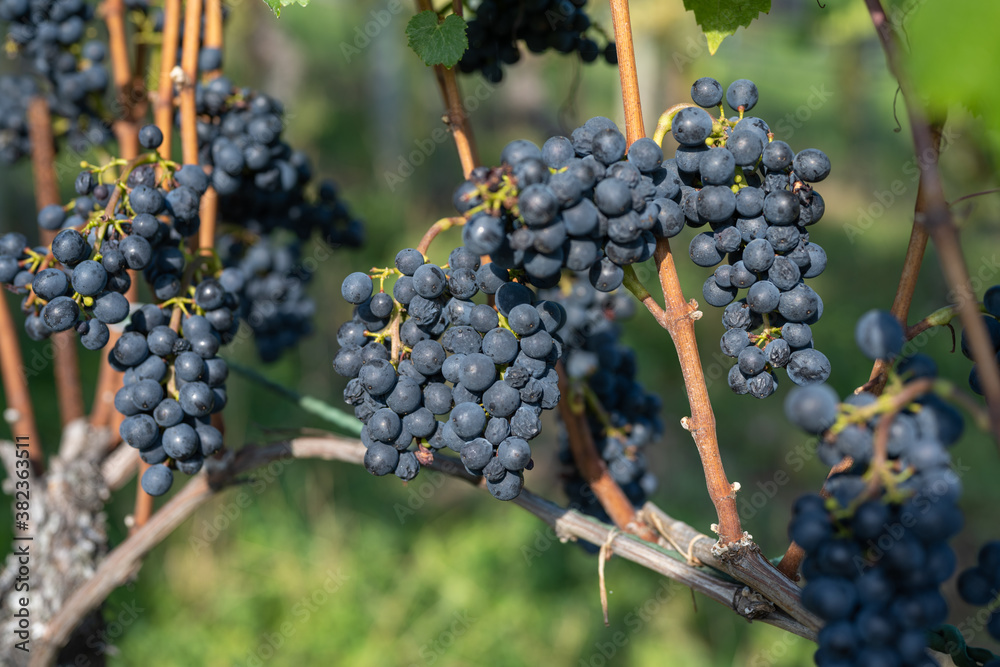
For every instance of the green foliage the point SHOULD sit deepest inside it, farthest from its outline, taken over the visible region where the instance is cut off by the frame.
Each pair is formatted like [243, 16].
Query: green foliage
[437, 43]
[276, 5]
[947, 58]
[720, 18]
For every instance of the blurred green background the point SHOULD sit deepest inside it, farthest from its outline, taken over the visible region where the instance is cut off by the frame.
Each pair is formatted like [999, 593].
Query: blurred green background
[324, 564]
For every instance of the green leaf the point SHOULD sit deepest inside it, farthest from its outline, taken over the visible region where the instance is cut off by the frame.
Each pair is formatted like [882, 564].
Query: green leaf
[720, 18]
[437, 43]
[276, 5]
[951, 61]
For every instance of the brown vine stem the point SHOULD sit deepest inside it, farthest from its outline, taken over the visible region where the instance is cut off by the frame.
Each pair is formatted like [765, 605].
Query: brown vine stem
[125, 127]
[915, 249]
[164, 107]
[679, 315]
[19, 412]
[455, 116]
[441, 225]
[911, 269]
[65, 362]
[126, 559]
[189, 64]
[130, 98]
[627, 72]
[792, 560]
[938, 221]
[639, 291]
[143, 501]
[213, 28]
[592, 468]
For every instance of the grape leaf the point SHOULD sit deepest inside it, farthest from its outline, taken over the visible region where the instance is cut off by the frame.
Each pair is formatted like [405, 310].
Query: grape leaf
[437, 43]
[720, 18]
[276, 5]
[950, 64]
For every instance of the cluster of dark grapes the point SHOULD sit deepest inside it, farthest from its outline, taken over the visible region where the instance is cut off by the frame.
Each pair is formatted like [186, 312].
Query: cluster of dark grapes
[173, 380]
[990, 304]
[261, 181]
[755, 194]
[271, 283]
[575, 203]
[46, 35]
[877, 550]
[625, 418]
[490, 370]
[15, 92]
[979, 585]
[262, 186]
[560, 25]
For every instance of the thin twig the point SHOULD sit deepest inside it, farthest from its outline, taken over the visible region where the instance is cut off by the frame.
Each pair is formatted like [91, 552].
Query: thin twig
[325, 411]
[627, 72]
[455, 116]
[164, 107]
[189, 65]
[915, 250]
[591, 466]
[124, 126]
[441, 225]
[143, 501]
[65, 361]
[639, 291]
[939, 224]
[19, 412]
[125, 560]
[679, 315]
[213, 29]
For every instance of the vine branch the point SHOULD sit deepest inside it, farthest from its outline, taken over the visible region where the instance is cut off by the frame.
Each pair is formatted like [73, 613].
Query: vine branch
[592, 468]
[125, 560]
[678, 317]
[189, 65]
[915, 250]
[19, 412]
[164, 107]
[938, 222]
[455, 116]
[65, 361]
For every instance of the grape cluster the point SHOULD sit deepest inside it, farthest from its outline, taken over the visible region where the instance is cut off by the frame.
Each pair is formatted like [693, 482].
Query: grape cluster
[173, 383]
[260, 179]
[173, 380]
[576, 203]
[755, 194]
[979, 585]
[560, 25]
[877, 550]
[991, 306]
[15, 92]
[623, 418]
[270, 281]
[46, 35]
[262, 185]
[429, 350]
